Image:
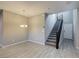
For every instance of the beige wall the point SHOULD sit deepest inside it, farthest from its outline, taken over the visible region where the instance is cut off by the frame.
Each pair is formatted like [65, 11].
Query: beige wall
[1, 27]
[36, 29]
[12, 31]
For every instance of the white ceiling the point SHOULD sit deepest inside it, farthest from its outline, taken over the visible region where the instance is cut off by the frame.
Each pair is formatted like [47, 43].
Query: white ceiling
[32, 8]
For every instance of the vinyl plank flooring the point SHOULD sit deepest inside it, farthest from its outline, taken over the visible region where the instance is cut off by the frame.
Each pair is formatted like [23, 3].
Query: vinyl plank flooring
[33, 50]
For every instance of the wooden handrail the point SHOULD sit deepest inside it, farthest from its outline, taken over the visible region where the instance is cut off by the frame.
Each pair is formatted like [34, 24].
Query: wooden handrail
[58, 33]
[59, 25]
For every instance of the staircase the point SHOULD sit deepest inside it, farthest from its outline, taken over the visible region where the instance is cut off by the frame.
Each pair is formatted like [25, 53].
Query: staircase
[53, 38]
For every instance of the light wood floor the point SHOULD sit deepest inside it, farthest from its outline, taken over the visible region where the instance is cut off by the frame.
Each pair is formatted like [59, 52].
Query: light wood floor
[34, 50]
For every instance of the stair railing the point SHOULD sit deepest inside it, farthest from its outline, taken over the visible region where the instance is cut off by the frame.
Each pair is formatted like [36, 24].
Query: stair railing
[58, 33]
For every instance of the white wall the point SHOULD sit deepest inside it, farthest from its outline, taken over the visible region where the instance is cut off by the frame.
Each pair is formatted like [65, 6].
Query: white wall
[68, 31]
[76, 27]
[68, 21]
[36, 29]
[68, 17]
[50, 21]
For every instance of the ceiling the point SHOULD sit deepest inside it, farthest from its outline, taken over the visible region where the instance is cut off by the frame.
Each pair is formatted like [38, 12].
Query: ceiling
[32, 8]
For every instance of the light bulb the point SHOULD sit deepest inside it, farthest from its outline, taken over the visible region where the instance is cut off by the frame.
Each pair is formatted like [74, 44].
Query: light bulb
[21, 25]
[26, 25]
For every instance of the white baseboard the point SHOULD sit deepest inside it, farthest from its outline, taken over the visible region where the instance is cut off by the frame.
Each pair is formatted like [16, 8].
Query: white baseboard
[4, 46]
[42, 43]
